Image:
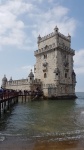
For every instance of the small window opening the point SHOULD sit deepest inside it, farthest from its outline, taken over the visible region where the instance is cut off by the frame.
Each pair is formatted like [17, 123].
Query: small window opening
[65, 75]
[45, 75]
[45, 56]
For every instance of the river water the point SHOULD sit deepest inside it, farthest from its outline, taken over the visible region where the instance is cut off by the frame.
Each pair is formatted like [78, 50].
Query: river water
[42, 125]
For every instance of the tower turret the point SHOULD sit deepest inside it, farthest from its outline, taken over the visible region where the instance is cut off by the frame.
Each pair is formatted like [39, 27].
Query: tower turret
[69, 37]
[56, 29]
[4, 80]
[31, 77]
[10, 81]
[73, 77]
[38, 39]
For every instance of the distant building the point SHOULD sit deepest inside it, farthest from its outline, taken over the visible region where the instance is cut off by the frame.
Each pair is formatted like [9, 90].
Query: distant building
[53, 70]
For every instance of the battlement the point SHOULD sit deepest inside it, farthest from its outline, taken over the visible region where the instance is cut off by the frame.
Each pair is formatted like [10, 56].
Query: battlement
[53, 46]
[67, 38]
[41, 39]
[22, 82]
[17, 82]
[45, 49]
[67, 49]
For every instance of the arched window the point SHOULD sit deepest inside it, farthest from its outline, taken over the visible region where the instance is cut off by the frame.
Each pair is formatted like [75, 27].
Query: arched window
[45, 75]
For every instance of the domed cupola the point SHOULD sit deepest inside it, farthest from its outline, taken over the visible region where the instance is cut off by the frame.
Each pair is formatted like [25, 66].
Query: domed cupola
[4, 80]
[38, 39]
[56, 29]
[10, 79]
[31, 76]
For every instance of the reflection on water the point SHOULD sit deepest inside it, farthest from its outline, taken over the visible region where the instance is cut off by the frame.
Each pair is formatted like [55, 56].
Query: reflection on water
[60, 120]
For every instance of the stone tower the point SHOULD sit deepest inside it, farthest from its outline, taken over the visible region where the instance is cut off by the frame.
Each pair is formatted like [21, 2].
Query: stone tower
[54, 64]
[31, 77]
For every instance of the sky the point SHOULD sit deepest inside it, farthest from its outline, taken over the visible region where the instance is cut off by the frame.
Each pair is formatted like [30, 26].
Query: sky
[21, 21]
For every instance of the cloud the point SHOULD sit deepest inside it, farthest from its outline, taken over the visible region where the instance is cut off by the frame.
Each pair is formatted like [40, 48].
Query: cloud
[21, 21]
[19, 73]
[47, 20]
[79, 70]
[0, 81]
[40, 1]
[28, 68]
[17, 7]
[79, 62]
[11, 25]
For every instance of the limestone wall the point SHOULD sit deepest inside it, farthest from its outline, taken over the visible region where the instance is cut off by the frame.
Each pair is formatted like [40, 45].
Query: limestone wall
[51, 61]
[18, 87]
[23, 84]
[49, 41]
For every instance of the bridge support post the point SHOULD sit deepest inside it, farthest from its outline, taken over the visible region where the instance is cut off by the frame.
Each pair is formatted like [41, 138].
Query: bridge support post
[25, 98]
[2, 105]
[0, 109]
[22, 98]
[8, 105]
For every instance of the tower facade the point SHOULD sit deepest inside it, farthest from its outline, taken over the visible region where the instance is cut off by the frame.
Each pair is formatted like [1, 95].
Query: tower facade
[54, 64]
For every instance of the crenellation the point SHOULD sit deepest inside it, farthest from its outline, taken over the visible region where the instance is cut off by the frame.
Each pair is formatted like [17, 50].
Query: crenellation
[68, 38]
[17, 82]
[64, 37]
[49, 47]
[67, 49]
[46, 37]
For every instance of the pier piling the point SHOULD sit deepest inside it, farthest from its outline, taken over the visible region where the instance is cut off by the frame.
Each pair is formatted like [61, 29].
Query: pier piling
[7, 100]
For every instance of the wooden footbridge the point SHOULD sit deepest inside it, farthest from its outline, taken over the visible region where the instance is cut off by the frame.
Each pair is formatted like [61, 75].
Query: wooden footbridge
[10, 97]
